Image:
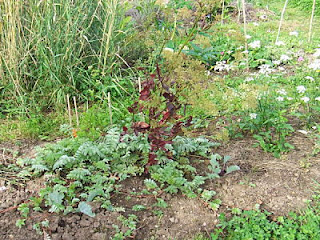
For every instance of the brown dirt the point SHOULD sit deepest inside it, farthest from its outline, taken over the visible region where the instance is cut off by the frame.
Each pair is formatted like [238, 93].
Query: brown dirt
[277, 185]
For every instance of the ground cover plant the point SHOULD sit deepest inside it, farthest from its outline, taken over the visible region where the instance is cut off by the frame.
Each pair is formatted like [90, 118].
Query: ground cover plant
[159, 119]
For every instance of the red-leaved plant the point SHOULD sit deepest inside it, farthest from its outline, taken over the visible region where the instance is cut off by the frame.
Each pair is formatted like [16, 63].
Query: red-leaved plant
[164, 122]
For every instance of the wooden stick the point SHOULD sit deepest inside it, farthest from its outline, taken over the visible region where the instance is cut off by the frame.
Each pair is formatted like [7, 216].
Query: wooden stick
[245, 32]
[222, 11]
[69, 110]
[76, 109]
[239, 10]
[281, 19]
[139, 84]
[311, 20]
[110, 109]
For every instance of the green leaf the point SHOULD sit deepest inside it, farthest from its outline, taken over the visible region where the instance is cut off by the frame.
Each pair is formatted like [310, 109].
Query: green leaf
[138, 208]
[232, 168]
[55, 198]
[86, 209]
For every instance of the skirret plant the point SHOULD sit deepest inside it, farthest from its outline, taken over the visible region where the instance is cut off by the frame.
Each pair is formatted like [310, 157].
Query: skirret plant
[79, 171]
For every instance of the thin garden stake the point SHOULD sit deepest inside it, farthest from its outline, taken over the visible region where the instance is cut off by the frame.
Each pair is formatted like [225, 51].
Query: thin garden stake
[311, 20]
[110, 110]
[281, 19]
[69, 110]
[139, 84]
[222, 12]
[239, 10]
[76, 109]
[245, 32]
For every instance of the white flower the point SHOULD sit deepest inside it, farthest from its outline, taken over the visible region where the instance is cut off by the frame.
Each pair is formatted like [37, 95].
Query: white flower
[248, 37]
[289, 98]
[282, 92]
[256, 24]
[317, 53]
[294, 33]
[265, 69]
[3, 188]
[301, 89]
[305, 99]
[317, 99]
[276, 62]
[253, 115]
[280, 99]
[309, 78]
[315, 65]
[255, 44]
[240, 48]
[229, 52]
[280, 43]
[285, 58]
[281, 69]
[221, 66]
[249, 79]
[245, 52]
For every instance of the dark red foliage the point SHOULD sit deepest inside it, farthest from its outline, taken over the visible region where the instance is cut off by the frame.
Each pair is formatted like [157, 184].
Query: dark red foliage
[167, 121]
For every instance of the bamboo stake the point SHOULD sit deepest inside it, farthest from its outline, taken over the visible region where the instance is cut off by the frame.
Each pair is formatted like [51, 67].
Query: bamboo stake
[76, 110]
[69, 110]
[139, 84]
[311, 20]
[239, 10]
[110, 109]
[245, 32]
[281, 19]
[222, 14]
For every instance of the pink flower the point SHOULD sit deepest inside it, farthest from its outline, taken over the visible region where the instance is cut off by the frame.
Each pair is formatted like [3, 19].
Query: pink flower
[221, 53]
[300, 59]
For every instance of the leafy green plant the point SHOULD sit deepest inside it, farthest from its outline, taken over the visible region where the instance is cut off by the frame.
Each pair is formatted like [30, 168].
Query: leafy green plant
[129, 223]
[256, 224]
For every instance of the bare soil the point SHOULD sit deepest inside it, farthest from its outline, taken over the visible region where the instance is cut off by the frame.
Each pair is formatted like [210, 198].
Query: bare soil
[276, 185]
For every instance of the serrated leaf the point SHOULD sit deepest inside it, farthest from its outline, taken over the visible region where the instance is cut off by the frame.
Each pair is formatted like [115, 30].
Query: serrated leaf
[55, 198]
[85, 208]
[232, 168]
[226, 159]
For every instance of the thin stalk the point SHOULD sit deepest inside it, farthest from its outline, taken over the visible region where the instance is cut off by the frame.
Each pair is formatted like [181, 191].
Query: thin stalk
[108, 31]
[281, 19]
[245, 32]
[69, 110]
[110, 107]
[222, 14]
[311, 20]
[239, 10]
[76, 110]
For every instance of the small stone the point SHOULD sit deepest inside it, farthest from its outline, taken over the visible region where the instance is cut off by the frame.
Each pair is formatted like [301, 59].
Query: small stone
[96, 224]
[66, 236]
[98, 236]
[84, 223]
